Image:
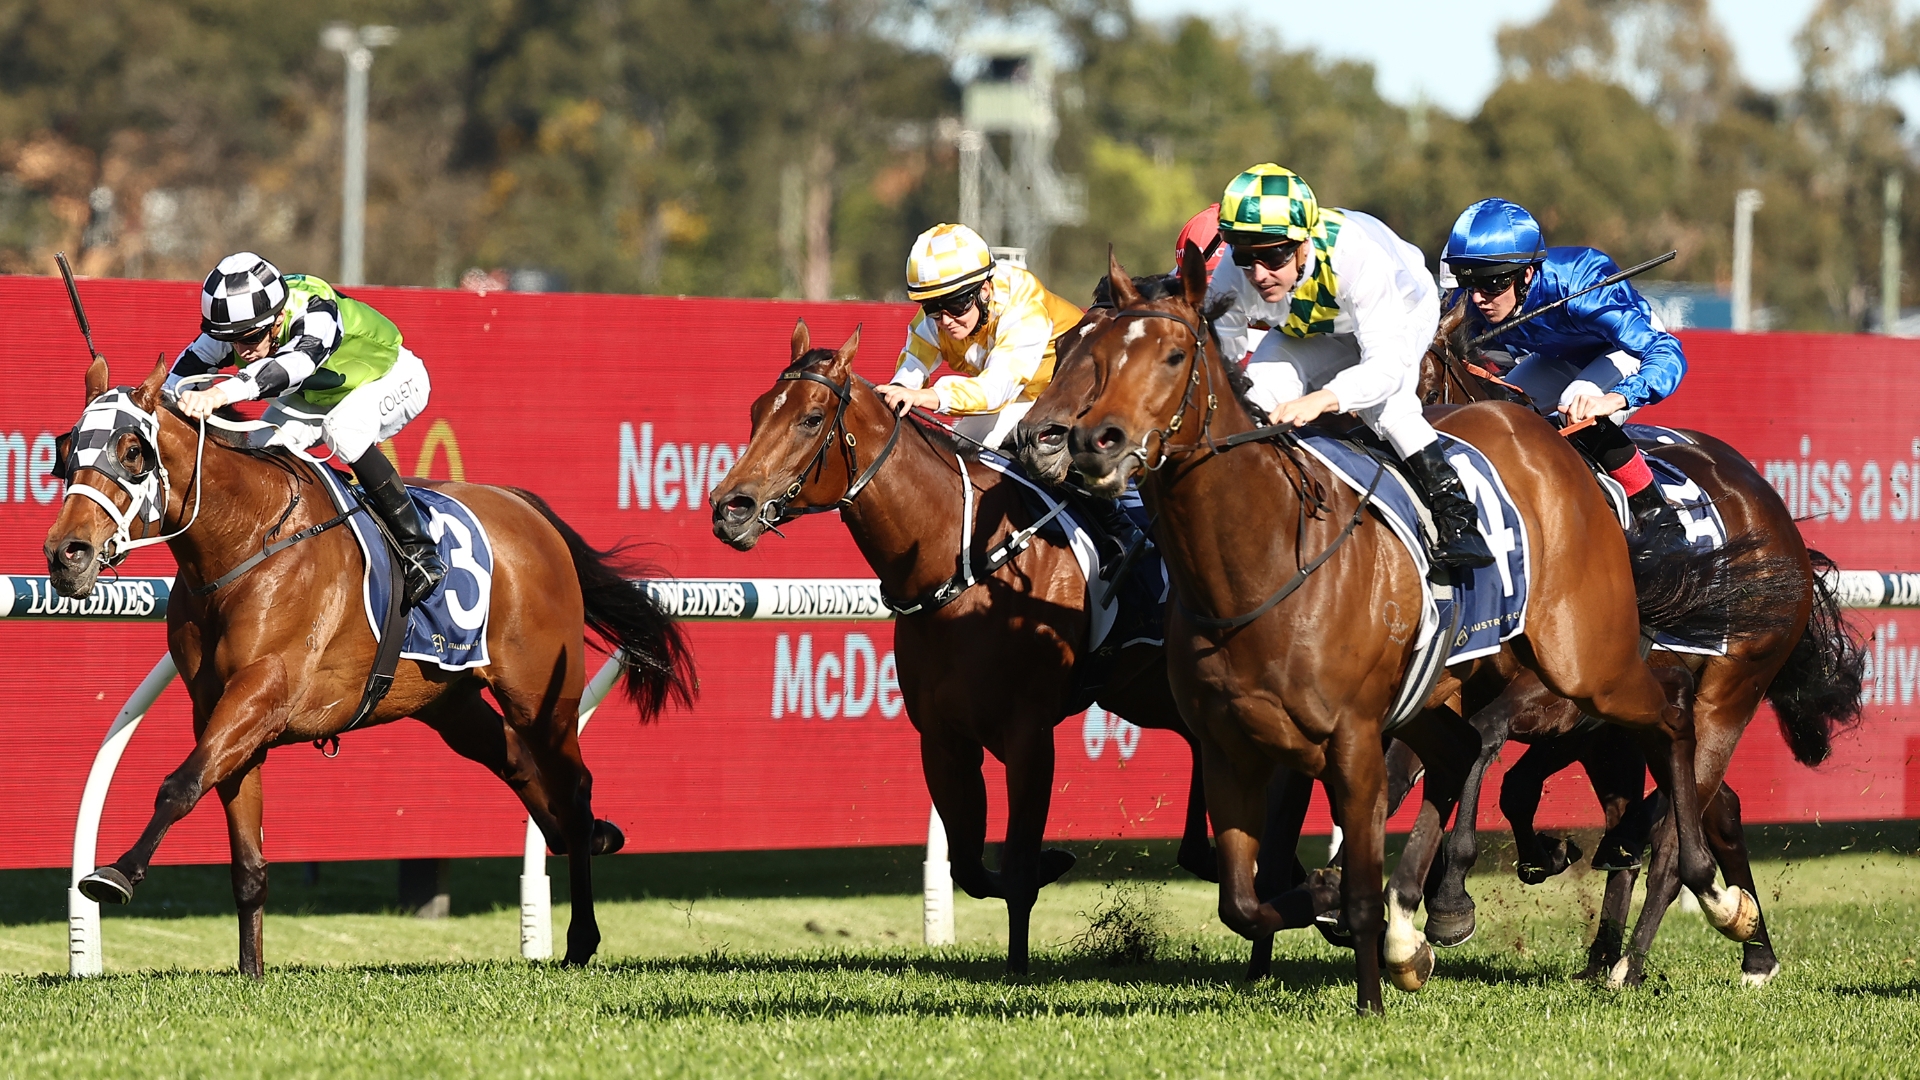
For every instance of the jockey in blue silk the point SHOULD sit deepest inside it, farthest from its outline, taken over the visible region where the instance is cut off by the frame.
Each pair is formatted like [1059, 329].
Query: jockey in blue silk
[1600, 357]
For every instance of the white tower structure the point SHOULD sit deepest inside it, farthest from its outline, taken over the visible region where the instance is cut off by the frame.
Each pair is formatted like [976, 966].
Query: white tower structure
[1020, 201]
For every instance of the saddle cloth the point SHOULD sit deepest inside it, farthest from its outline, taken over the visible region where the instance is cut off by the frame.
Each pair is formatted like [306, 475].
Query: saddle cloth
[1138, 613]
[449, 627]
[1488, 604]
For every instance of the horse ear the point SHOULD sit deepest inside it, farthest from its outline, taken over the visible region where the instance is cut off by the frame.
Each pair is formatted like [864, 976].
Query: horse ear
[147, 394]
[802, 341]
[844, 356]
[1124, 294]
[1193, 274]
[97, 379]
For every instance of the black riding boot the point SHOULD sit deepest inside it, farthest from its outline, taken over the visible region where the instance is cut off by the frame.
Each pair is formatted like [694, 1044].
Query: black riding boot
[1454, 518]
[419, 558]
[1656, 523]
[1119, 532]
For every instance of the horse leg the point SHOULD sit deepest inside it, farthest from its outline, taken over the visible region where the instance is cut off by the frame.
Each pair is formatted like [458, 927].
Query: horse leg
[478, 732]
[1288, 796]
[1520, 792]
[1024, 868]
[240, 795]
[1618, 771]
[951, 766]
[1663, 885]
[1196, 848]
[545, 714]
[1356, 775]
[1450, 747]
[248, 714]
[1450, 910]
[1758, 964]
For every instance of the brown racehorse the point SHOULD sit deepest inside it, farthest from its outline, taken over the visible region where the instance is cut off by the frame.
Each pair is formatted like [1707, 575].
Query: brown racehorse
[1806, 665]
[991, 668]
[1268, 536]
[281, 654]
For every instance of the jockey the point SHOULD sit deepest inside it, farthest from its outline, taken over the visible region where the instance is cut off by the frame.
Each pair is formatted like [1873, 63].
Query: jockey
[1353, 309]
[338, 371]
[1599, 357]
[1203, 231]
[993, 323]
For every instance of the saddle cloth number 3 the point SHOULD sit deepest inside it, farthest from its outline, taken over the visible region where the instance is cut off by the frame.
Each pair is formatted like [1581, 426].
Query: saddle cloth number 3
[461, 559]
[1493, 519]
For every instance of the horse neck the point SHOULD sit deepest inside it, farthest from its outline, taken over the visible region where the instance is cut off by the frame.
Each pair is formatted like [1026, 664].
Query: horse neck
[1207, 506]
[241, 497]
[906, 521]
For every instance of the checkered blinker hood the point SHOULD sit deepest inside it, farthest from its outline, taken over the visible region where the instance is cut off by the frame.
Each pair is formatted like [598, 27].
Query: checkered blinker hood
[95, 439]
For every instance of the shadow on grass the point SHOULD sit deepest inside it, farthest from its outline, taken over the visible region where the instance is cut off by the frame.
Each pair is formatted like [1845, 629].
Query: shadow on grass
[482, 885]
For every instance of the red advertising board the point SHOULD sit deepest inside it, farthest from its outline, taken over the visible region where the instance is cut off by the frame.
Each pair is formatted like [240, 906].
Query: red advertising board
[624, 412]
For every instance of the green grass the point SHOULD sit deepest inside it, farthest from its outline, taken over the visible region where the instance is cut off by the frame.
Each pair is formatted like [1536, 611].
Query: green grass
[808, 963]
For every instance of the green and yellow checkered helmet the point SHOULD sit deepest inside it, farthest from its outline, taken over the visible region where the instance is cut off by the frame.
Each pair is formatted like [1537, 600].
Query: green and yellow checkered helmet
[947, 259]
[1269, 204]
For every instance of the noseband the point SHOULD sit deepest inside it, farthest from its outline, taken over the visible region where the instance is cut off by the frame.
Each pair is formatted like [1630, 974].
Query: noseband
[779, 510]
[106, 419]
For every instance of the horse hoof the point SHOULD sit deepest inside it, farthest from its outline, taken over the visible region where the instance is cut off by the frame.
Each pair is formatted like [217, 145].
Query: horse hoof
[1203, 864]
[107, 885]
[1449, 929]
[607, 837]
[1532, 874]
[1733, 911]
[1617, 975]
[1053, 863]
[1757, 979]
[1595, 969]
[1412, 974]
[1613, 856]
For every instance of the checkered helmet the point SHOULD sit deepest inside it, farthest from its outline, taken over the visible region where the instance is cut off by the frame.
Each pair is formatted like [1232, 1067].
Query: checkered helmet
[1268, 204]
[244, 293]
[947, 259]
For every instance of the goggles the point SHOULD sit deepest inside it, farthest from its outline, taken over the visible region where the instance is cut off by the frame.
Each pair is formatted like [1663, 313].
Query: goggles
[1491, 284]
[1271, 256]
[245, 337]
[953, 305]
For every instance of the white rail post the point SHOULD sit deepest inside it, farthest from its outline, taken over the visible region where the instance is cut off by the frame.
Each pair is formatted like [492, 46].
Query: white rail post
[936, 880]
[1746, 202]
[84, 956]
[536, 888]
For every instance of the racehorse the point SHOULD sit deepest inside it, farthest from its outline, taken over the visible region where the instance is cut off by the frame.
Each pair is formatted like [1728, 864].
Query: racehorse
[986, 651]
[1806, 665]
[1304, 677]
[280, 653]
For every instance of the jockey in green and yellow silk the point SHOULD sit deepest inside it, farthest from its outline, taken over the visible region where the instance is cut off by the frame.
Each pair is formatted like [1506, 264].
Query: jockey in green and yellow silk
[1352, 308]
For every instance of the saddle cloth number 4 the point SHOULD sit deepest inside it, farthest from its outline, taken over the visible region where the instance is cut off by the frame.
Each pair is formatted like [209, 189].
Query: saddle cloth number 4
[1493, 518]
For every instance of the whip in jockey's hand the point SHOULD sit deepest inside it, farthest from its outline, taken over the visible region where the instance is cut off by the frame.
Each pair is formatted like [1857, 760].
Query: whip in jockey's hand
[338, 374]
[1602, 354]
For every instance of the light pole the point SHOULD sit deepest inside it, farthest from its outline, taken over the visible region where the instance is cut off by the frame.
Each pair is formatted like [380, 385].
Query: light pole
[356, 46]
[1746, 202]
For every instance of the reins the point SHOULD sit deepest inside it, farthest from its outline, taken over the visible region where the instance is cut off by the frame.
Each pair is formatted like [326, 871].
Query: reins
[777, 511]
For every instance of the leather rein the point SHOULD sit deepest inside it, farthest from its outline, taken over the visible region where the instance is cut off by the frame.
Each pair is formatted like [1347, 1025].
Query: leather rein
[1281, 433]
[779, 510]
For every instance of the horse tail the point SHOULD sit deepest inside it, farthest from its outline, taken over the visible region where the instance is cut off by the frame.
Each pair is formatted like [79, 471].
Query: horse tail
[659, 663]
[1819, 688]
[1707, 598]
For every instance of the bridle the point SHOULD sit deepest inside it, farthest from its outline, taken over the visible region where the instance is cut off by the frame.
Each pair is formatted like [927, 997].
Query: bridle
[779, 510]
[102, 424]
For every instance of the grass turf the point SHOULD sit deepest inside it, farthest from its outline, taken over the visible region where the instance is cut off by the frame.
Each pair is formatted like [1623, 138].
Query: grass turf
[807, 963]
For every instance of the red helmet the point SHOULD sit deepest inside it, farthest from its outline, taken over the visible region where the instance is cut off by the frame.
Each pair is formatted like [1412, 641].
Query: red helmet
[1203, 229]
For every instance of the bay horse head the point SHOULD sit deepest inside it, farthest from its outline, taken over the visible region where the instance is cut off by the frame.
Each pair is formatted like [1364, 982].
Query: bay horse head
[118, 484]
[797, 425]
[1126, 385]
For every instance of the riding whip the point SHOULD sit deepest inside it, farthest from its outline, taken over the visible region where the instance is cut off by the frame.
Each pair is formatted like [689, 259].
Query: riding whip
[1613, 279]
[79, 312]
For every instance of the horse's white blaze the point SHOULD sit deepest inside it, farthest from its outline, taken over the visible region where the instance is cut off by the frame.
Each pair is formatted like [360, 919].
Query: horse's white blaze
[781, 400]
[1135, 331]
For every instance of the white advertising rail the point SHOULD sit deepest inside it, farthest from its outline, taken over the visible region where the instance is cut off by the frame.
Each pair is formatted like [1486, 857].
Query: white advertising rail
[30, 597]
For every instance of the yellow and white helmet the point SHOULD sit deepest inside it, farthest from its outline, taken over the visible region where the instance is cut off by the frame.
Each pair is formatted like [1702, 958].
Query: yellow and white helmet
[947, 259]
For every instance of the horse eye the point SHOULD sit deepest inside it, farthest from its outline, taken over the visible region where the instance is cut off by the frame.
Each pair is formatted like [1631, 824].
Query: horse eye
[1176, 356]
[812, 421]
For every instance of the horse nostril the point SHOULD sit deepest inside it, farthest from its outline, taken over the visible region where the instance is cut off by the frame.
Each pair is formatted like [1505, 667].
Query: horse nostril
[1109, 438]
[736, 509]
[1052, 437]
[77, 553]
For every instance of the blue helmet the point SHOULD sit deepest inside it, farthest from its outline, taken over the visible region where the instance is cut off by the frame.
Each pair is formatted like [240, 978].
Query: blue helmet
[1493, 236]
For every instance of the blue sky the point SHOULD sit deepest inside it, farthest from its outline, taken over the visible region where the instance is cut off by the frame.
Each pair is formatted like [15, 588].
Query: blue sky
[1444, 51]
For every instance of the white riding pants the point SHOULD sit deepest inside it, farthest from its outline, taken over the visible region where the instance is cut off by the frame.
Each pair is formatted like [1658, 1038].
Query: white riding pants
[992, 428]
[1283, 368]
[372, 413]
[1553, 384]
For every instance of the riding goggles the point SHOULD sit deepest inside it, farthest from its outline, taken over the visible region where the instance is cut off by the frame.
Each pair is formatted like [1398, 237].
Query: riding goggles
[1490, 284]
[1271, 256]
[953, 305]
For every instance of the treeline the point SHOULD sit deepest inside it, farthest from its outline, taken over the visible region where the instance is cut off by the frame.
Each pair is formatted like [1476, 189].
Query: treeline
[794, 147]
